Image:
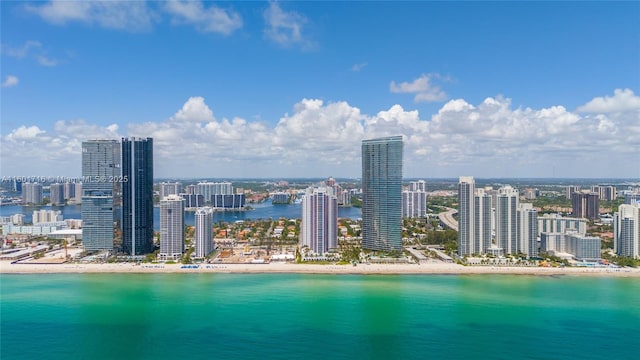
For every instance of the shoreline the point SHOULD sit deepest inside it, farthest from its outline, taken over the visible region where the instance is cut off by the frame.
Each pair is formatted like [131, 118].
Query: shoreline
[290, 268]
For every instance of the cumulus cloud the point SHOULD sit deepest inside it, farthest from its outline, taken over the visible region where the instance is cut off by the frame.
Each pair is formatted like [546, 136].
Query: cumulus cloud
[318, 138]
[622, 100]
[205, 19]
[10, 81]
[285, 27]
[121, 15]
[422, 87]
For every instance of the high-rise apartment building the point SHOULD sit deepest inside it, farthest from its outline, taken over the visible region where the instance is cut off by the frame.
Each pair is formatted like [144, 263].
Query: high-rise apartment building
[419, 185]
[208, 189]
[506, 219]
[554, 223]
[100, 195]
[414, 204]
[631, 198]
[569, 190]
[56, 194]
[382, 194]
[606, 192]
[46, 216]
[204, 232]
[527, 230]
[137, 196]
[32, 193]
[482, 221]
[626, 230]
[171, 227]
[585, 205]
[466, 216]
[69, 191]
[319, 227]
[169, 188]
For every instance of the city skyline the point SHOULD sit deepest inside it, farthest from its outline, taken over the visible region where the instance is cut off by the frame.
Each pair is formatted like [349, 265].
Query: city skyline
[252, 88]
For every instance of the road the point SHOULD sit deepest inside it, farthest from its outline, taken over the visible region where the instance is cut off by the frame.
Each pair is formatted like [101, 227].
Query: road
[447, 218]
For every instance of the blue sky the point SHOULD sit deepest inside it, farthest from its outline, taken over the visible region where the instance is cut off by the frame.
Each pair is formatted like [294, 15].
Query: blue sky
[289, 89]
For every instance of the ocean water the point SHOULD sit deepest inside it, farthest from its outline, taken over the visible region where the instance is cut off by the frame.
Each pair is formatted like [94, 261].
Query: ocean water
[305, 316]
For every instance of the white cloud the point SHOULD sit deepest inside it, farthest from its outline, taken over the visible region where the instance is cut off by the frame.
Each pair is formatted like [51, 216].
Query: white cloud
[318, 138]
[10, 81]
[285, 27]
[122, 15]
[622, 100]
[205, 19]
[358, 67]
[423, 87]
[45, 61]
[23, 50]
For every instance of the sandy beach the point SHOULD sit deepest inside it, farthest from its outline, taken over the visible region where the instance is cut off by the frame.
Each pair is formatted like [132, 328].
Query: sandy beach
[392, 269]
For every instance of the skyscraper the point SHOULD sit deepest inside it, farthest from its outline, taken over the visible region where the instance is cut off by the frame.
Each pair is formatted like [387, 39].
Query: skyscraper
[466, 217]
[414, 204]
[506, 219]
[171, 227]
[585, 205]
[319, 227]
[527, 230]
[204, 231]
[626, 230]
[482, 223]
[56, 194]
[32, 193]
[137, 196]
[100, 164]
[382, 194]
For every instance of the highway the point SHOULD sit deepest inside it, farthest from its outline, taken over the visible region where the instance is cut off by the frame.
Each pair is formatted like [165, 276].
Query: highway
[447, 218]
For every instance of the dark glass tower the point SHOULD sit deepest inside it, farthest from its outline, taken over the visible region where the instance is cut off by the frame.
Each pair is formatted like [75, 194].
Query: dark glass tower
[382, 194]
[100, 166]
[137, 196]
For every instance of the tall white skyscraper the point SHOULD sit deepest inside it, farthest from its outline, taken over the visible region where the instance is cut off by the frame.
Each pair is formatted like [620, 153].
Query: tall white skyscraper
[482, 224]
[626, 230]
[414, 204]
[204, 232]
[419, 185]
[319, 227]
[506, 219]
[171, 227]
[466, 216]
[527, 230]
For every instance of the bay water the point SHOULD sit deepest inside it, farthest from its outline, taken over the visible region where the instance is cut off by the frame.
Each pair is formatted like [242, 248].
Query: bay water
[307, 316]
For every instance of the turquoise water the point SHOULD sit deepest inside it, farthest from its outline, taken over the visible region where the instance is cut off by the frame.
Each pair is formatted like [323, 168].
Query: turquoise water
[290, 316]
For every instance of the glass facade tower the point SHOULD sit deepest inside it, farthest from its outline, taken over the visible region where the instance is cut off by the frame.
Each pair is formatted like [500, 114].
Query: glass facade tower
[100, 165]
[137, 196]
[382, 194]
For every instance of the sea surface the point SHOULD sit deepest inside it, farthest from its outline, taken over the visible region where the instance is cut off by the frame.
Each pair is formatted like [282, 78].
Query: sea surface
[264, 210]
[305, 316]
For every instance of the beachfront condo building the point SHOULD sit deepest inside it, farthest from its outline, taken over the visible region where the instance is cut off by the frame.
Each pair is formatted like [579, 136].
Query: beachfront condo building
[506, 219]
[171, 227]
[527, 219]
[137, 195]
[626, 230]
[382, 194]
[204, 232]
[319, 227]
[100, 195]
[554, 223]
[466, 218]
